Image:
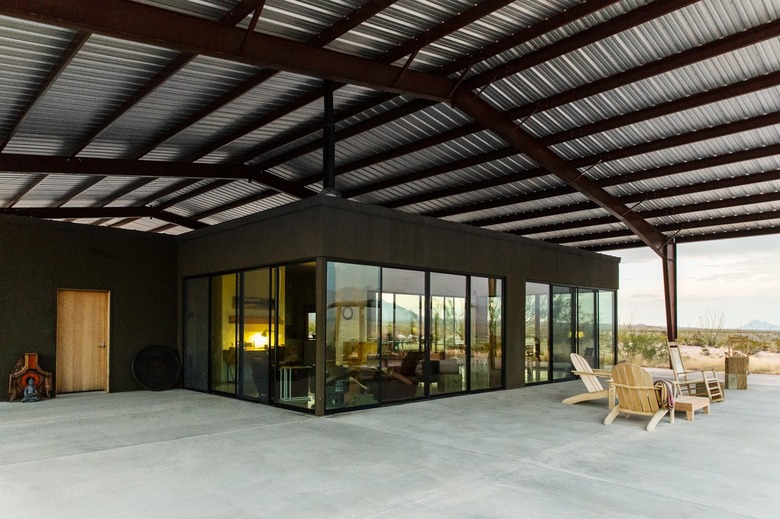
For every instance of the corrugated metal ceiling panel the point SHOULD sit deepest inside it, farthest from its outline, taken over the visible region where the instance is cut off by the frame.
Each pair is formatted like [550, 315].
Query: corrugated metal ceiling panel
[104, 73]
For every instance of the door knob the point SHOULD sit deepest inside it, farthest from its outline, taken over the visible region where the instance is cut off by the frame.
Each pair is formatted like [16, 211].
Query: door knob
[102, 345]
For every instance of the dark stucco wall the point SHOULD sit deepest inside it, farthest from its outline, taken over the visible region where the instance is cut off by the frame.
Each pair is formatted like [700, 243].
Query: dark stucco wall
[350, 231]
[39, 257]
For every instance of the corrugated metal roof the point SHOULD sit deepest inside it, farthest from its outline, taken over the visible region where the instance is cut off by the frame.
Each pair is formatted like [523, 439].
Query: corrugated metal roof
[390, 151]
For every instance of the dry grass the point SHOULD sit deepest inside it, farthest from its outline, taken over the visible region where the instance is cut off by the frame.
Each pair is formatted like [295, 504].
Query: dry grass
[765, 358]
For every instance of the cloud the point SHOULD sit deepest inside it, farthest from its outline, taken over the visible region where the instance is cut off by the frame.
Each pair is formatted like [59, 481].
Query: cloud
[739, 278]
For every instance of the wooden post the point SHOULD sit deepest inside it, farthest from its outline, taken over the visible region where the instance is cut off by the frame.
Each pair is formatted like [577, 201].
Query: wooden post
[736, 372]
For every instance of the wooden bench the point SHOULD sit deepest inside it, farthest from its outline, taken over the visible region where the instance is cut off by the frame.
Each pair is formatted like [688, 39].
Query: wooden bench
[690, 404]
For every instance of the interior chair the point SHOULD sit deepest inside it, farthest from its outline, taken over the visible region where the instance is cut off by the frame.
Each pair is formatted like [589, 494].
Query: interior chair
[638, 395]
[590, 377]
[693, 383]
[402, 383]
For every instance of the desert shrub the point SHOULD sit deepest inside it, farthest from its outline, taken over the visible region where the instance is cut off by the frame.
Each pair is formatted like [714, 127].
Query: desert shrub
[641, 346]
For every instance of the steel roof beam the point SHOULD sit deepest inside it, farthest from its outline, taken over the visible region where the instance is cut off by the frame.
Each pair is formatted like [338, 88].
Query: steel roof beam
[685, 58]
[494, 120]
[105, 212]
[161, 27]
[176, 64]
[745, 180]
[703, 52]
[726, 235]
[676, 226]
[604, 30]
[91, 166]
[761, 121]
[541, 55]
[626, 178]
[330, 34]
[526, 34]
[409, 47]
[75, 44]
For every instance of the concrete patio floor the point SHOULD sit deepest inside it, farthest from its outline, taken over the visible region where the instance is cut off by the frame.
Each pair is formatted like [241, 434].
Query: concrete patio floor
[517, 453]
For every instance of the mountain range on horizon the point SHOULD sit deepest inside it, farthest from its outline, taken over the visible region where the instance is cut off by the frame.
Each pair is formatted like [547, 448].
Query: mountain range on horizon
[756, 324]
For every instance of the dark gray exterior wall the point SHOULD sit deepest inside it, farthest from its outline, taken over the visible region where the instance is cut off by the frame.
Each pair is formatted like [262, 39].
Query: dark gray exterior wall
[343, 230]
[144, 272]
[38, 257]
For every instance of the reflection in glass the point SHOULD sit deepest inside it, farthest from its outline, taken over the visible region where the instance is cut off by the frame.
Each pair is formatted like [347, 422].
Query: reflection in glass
[223, 333]
[486, 347]
[537, 332]
[563, 335]
[448, 333]
[196, 334]
[606, 329]
[586, 325]
[259, 333]
[352, 331]
[402, 350]
[296, 350]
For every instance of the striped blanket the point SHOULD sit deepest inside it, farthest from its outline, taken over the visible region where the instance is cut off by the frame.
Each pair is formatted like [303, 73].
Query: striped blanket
[664, 392]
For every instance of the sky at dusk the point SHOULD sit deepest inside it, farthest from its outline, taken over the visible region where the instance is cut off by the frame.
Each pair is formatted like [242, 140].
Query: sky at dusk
[738, 279]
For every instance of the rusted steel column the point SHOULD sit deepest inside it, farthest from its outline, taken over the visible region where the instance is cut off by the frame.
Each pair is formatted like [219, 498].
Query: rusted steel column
[669, 258]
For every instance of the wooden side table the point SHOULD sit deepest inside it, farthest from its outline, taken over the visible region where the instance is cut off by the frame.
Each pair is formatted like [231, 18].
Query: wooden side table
[690, 404]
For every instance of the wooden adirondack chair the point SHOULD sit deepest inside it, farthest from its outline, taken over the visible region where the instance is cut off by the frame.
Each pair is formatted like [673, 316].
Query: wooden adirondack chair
[590, 377]
[636, 394]
[693, 383]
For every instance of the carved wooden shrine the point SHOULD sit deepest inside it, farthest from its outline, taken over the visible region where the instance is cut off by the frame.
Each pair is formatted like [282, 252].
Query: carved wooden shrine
[24, 370]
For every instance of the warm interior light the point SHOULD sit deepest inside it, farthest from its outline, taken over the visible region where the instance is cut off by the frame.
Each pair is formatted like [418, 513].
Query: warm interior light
[260, 340]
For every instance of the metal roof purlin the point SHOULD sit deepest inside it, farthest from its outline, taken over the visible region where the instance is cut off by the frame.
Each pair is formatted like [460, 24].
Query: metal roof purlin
[622, 23]
[494, 120]
[78, 41]
[664, 64]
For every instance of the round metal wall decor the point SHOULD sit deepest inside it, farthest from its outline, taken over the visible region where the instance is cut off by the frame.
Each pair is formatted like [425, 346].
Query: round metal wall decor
[156, 367]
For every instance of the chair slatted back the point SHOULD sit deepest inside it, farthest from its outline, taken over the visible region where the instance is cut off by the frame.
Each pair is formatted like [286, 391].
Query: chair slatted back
[675, 360]
[592, 383]
[635, 389]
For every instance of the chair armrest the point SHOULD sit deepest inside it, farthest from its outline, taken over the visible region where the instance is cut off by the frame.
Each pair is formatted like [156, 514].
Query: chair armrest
[400, 377]
[601, 373]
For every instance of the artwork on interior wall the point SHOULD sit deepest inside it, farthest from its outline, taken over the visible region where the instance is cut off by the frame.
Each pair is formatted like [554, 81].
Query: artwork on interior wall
[257, 310]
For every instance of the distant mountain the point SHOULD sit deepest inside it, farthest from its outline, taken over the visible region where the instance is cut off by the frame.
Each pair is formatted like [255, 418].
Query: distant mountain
[755, 324]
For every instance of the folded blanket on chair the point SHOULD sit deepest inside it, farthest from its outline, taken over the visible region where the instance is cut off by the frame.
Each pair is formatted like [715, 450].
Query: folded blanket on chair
[664, 392]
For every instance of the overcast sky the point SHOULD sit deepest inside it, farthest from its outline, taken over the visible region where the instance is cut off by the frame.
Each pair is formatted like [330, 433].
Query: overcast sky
[739, 279]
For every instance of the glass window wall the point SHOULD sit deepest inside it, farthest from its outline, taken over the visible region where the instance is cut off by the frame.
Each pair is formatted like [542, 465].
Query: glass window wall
[537, 333]
[396, 334]
[251, 334]
[296, 350]
[403, 334]
[259, 331]
[486, 331]
[224, 333]
[352, 343]
[448, 333]
[606, 345]
[390, 334]
[581, 320]
[586, 325]
[563, 326]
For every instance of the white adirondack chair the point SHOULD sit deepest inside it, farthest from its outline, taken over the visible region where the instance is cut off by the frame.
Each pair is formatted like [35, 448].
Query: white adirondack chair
[590, 377]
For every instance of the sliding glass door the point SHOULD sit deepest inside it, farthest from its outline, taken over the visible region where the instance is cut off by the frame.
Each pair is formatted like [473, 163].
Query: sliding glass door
[403, 340]
[258, 330]
[396, 334]
[448, 333]
[224, 333]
